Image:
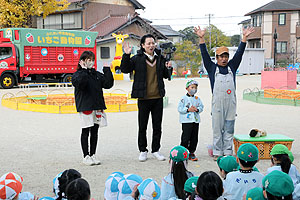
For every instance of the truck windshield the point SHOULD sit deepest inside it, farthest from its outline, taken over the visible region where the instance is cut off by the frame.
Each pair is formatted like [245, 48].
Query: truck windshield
[5, 52]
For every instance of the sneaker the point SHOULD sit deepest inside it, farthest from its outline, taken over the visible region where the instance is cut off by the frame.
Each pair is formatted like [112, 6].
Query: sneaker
[216, 157]
[95, 160]
[143, 156]
[158, 156]
[87, 160]
[193, 157]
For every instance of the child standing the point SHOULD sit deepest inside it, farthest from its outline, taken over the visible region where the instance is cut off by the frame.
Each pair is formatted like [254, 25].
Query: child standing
[240, 182]
[189, 108]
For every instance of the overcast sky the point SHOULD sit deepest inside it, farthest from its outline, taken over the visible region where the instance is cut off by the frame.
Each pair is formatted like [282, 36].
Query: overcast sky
[180, 14]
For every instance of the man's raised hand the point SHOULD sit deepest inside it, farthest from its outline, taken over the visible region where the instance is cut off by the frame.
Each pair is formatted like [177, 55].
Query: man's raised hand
[127, 48]
[198, 31]
[248, 31]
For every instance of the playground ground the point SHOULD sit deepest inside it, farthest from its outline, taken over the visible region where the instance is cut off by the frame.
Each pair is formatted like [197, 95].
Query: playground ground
[38, 146]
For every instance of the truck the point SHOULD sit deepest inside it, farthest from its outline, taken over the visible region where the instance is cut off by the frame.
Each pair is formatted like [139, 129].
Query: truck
[41, 55]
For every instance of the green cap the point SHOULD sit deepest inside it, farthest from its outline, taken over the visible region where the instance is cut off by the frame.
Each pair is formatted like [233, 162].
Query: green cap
[179, 153]
[278, 183]
[191, 184]
[255, 194]
[247, 152]
[191, 82]
[281, 149]
[227, 163]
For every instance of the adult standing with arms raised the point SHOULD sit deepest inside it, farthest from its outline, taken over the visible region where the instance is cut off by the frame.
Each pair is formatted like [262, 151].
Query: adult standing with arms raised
[150, 67]
[222, 76]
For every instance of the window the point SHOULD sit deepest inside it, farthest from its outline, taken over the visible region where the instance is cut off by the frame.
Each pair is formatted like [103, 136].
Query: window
[104, 52]
[281, 19]
[281, 47]
[5, 52]
[63, 21]
[256, 20]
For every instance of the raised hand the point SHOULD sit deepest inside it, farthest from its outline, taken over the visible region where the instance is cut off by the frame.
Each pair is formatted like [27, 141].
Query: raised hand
[248, 31]
[198, 31]
[83, 64]
[127, 48]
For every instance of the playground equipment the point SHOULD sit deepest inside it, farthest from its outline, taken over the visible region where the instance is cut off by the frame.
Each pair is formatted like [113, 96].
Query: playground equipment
[115, 64]
[61, 101]
[273, 96]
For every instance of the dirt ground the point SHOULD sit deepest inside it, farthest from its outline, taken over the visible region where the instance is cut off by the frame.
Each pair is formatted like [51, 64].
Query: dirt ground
[38, 146]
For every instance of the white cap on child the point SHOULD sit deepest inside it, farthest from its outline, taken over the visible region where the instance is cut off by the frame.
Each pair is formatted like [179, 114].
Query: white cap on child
[111, 186]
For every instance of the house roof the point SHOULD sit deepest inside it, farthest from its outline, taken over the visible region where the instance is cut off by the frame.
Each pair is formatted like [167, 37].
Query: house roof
[167, 30]
[114, 23]
[247, 21]
[111, 39]
[135, 3]
[278, 5]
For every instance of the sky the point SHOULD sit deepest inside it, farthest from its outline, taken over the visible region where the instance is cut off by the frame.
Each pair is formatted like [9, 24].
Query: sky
[180, 14]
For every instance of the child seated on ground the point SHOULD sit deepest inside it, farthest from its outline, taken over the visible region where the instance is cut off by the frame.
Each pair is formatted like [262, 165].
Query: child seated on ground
[14, 176]
[111, 186]
[240, 182]
[189, 108]
[189, 188]
[254, 194]
[209, 186]
[10, 189]
[78, 189]
[227, 164]
[282, 160]
[173, 184]
[127, 184]
[277, 186]
[147, 190]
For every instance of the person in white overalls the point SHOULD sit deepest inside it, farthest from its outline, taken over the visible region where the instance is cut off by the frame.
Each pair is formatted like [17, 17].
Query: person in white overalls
[222, 81]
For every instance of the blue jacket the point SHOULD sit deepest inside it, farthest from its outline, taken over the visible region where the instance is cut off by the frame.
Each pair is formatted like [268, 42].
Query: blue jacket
[184, 104]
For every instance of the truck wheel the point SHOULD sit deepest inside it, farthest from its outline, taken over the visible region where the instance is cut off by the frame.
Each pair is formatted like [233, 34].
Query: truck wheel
[67, 78]
[7, 81]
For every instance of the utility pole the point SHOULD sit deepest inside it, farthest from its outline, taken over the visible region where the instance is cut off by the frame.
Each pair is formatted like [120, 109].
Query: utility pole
[209, 17]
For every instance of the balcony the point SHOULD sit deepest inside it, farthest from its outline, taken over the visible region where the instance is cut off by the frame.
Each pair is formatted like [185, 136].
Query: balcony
[256, 34]
[298, 30]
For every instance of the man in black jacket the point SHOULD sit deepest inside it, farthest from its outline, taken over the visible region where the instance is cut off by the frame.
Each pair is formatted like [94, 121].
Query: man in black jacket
[149, 68]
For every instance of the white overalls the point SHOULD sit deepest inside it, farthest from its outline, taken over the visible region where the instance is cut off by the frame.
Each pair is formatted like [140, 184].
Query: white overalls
[223, 113]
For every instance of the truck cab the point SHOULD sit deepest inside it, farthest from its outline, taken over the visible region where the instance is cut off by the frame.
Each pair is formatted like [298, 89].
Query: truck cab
[8, 63]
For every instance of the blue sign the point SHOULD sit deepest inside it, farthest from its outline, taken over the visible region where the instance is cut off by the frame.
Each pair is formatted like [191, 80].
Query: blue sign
[44, 52]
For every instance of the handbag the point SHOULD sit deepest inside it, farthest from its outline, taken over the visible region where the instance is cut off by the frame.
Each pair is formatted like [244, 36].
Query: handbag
[101, 118]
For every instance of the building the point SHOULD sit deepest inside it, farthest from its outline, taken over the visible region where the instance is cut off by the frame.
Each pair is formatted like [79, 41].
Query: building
[105, 17]
[284, 17]
[171, 34]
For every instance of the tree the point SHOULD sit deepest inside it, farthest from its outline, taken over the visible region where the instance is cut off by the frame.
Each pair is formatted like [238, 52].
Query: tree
[188, 54]
[189, 34]
[19, 13]
[235, 40]
[218, 38]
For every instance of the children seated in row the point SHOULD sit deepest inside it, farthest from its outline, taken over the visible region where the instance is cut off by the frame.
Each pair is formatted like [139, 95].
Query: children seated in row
[240, 182]
[173, 184]
[189, 107]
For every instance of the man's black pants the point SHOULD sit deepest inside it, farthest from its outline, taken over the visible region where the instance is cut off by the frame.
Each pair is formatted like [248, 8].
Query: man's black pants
[189, 137]
[155, 107]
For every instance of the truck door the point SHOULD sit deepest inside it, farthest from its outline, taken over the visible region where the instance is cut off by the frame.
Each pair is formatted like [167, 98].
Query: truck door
[7, 65]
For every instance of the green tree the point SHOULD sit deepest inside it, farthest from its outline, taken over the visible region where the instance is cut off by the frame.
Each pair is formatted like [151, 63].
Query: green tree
[19, 13]
[235, 40]
[189, 34]
[188, 55]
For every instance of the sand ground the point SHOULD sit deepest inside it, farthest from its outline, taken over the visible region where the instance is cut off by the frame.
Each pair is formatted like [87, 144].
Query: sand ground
[40, 145]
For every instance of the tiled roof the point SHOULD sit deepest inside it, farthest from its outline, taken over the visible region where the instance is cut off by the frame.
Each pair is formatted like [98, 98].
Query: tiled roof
[278, 5]
[135, 3]
[109, 24]
[167, 30]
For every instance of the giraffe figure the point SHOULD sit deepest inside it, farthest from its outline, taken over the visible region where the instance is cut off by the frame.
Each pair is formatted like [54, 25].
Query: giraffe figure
[115, 64]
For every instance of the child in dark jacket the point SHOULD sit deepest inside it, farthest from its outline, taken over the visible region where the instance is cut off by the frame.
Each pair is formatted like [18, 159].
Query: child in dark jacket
[89, 101]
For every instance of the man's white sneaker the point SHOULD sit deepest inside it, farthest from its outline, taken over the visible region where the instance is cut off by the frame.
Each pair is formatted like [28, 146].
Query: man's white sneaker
[95, 160]
[143, 156]
[87, 160]
[158, 156]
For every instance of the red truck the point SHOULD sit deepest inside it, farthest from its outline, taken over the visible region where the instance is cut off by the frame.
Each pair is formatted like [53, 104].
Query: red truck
[40, 55]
